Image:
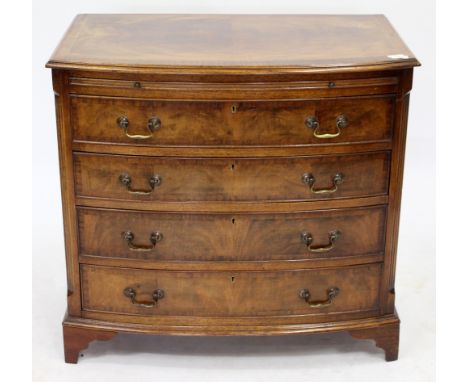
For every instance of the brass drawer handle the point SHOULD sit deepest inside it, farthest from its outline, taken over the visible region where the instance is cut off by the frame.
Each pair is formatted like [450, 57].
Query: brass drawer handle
[331, 292]
[313, 123]
[333, 236]
[309, 179]
[158, 294]
[154, 181]
[128, 237]
[154, 124]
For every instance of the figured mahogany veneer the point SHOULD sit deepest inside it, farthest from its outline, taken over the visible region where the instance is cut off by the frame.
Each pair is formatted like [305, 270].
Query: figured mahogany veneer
[231, 175]
[235, 123]
[230, 294]
[234, 179]
[241, 237]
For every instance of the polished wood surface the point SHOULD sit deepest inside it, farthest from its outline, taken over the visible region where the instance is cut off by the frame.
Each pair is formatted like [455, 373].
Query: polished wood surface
[240, 179]
[241, 87]
[239, 237]
[222, 326]
[77, 339]
[386, 338]
[220, 229]
[239, 41]
[228, 293]
[64, 138]
[202, 123]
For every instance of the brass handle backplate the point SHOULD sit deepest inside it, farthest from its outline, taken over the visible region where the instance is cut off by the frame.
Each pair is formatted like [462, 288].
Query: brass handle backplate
[307, 238]
[331, 293]
[313, 123]
[126, 180]
[154, 123]
[309, 179]
[128, 237]
[131, 293]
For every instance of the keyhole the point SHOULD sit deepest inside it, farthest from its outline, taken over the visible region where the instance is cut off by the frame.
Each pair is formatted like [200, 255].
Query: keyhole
[232, 279]
[233, 109]
[233, 166]
[233, 221]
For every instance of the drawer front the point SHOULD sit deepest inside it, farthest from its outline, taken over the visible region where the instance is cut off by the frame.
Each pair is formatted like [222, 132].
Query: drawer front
[240, 237]
[253, 123]
[251, 179]
[177, 293]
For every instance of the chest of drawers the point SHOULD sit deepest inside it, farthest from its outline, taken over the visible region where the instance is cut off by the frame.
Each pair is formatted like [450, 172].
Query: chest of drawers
[231, 175]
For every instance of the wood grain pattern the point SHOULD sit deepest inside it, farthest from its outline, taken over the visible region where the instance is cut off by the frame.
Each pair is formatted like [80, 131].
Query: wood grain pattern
[207, 87]
[396, 182]
[231, 41]
[254, 123]
[370, 327]
[230, 294]
[222, 326]
[237, 265]
[227, 325]
[233, 237]
[232, 93]
[386, 338]
[240, 179]
[76, 339]
[208, 77]
[233, 206]
[231, 151]
[60, 80]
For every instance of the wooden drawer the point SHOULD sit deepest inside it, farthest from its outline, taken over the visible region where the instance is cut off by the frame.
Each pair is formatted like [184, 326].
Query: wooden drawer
[229, 293]
[244, 123]
[248, 179]
[240, 237]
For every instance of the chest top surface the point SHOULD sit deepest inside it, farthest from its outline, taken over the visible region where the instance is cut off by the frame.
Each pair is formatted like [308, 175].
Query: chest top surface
[313, 43]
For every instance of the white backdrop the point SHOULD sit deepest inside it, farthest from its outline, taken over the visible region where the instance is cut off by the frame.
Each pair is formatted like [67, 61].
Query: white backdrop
[324, 357]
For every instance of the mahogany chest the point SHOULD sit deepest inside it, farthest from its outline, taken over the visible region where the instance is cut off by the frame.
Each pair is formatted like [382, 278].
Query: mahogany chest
[231, 175]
